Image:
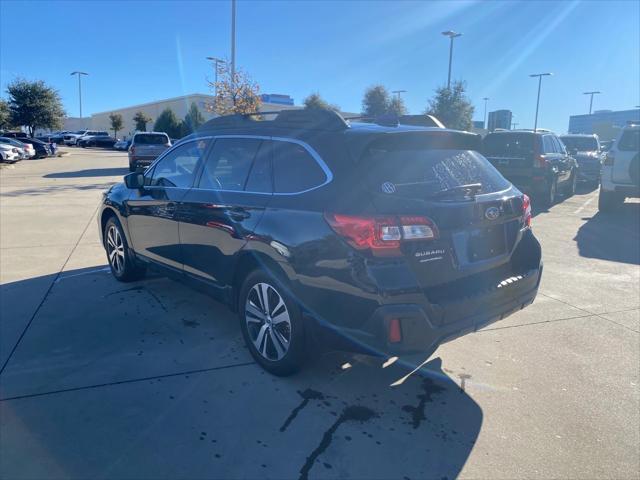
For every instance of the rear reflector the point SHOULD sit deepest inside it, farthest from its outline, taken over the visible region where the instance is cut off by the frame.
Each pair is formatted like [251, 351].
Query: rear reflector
[395, 332]
[381, 235]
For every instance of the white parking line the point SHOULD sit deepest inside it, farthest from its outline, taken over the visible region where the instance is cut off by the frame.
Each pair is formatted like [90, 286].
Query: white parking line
[587, 202]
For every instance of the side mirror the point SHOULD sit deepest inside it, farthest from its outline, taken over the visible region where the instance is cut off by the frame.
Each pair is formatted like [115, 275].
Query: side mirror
[134, 181]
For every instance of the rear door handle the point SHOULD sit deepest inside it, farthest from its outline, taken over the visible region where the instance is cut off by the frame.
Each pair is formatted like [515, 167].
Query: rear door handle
[170, 207]
[238, 214]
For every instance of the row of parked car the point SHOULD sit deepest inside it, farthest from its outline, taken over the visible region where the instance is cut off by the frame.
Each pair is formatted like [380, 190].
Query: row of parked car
[15, 146]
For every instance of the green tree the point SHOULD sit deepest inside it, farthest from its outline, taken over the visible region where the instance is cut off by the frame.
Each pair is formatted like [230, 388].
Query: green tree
[116, 123]
[375, 101]
[141, 120]
[192, 120]
[315, 102]
[168, 123]
[452, 107]
[34, 105]
[397, 107]
[235, 92]
[5, 115]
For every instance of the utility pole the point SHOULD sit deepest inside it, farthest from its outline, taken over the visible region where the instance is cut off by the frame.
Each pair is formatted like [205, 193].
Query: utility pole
[486, 99]
[451, 34]
[539, 75]
[79, 74]
[398, 93]
[591, 99]
[233, 44]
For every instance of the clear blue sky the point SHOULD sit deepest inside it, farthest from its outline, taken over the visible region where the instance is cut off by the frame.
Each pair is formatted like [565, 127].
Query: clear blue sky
[137, 52]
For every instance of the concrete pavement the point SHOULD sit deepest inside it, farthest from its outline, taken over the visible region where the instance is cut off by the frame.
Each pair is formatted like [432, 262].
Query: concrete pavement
[152, 380]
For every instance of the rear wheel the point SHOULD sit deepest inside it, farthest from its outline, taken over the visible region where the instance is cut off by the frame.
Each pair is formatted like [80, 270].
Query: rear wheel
[271, 324]
[609, 201]
[121, 262]
[550, 193]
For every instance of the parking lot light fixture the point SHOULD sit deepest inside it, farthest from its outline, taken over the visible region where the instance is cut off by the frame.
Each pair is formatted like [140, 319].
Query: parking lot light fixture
[79, 74]
[486, 99]
[591, 99]
[215, 61]
[451, 34]
[398, 93]
[539, 75]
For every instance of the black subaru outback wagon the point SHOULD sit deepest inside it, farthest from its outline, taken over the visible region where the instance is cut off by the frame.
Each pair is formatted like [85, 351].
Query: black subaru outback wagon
[383, 239]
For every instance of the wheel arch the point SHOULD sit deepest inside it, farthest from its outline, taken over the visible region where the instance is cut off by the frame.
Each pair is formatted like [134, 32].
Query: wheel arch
[248, 261]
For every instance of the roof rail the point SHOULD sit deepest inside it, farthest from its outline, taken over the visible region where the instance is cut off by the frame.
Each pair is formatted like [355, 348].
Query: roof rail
[294, 118]
[392, 120]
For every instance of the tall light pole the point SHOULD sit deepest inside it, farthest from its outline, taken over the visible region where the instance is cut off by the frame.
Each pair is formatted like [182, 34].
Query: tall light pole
[398, 93]
[233, 43]
[514, 125]
[486, 99]
[451, 34]
[79, 74]
[591, 99]
[215, 62]
[539, 75]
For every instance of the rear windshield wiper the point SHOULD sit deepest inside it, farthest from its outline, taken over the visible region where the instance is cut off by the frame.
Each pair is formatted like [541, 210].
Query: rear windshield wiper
[470, 190]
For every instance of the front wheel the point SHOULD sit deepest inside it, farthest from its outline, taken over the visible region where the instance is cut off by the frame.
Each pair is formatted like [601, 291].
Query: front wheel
[121, 262]
[271, 324]
[572, 185]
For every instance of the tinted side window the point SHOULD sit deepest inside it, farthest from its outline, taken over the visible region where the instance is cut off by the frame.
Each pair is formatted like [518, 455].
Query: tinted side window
[630, 141]
[294, 169]
[260, 175]
[547, 143]
[559, 145]
[177, 168]
[229, 163]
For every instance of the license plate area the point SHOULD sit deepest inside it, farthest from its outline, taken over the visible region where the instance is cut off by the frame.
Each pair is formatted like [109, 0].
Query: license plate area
[486, 243]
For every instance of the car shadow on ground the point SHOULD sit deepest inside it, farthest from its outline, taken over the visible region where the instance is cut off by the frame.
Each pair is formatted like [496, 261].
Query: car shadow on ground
[151, 379]
[93, 172]
[613, 236]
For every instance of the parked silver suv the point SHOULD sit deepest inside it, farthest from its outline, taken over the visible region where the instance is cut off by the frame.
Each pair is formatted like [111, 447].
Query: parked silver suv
[620, 177]
[145, 148]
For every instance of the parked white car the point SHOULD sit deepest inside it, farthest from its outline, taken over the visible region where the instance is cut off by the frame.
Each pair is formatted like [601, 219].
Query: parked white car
[620, 175]
[9, 153]
[26, 150]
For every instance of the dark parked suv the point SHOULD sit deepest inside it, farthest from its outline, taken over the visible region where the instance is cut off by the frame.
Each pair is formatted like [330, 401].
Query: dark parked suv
[380, 239]
[536, 162]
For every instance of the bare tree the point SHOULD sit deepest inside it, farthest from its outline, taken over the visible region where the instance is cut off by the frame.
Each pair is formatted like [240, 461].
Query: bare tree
[235, 93]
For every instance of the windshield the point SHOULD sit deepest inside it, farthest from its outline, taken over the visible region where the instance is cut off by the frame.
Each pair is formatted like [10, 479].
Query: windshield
[581, 144]
[422, 173]
[509, 144]
[150, 139]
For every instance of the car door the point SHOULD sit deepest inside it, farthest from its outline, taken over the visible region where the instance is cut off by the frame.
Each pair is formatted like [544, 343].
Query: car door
[565, 161]
[551, 156]
[223, 209]
[151, 211]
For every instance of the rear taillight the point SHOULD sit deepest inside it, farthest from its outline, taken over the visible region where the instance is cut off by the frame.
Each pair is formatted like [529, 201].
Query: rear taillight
[526, 211]
[609, 158]
[132, 149]
[381, 235]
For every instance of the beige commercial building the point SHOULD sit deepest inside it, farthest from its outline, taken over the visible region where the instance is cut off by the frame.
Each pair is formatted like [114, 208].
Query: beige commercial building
[179, 105]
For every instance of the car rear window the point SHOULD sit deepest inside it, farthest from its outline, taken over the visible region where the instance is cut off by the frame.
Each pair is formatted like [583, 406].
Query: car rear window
[410, 171]
[581, 144]
[511, 144]
[151, 139]
[630, 141]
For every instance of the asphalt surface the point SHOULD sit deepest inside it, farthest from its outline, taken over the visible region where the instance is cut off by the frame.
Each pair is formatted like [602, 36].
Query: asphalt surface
[151, 380]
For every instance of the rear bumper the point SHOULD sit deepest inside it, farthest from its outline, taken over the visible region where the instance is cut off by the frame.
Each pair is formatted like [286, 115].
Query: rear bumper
[422, 333]
[142, 161]
[588, 174]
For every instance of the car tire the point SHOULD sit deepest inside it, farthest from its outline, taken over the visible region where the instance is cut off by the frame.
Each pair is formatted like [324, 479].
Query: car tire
[572, 185]
[121, 260]
[550, 193]
[272, 324]
[609, 201]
